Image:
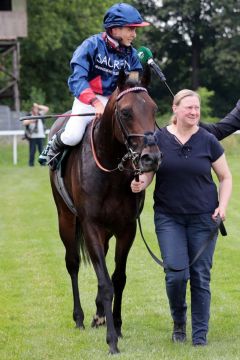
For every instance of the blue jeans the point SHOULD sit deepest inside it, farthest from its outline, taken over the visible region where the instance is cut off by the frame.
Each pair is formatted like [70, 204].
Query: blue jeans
[180, 237]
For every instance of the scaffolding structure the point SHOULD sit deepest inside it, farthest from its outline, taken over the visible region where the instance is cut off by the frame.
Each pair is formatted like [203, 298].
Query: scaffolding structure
[13, 25]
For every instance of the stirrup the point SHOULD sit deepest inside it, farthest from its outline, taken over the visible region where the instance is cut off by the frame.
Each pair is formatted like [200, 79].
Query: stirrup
[43, 157]
[53, 161]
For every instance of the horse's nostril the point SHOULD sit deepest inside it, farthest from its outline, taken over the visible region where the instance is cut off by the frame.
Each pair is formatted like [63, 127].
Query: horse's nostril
[146, 158]
[150, 161]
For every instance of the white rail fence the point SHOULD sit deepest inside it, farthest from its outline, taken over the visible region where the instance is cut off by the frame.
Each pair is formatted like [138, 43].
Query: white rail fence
[15, 134]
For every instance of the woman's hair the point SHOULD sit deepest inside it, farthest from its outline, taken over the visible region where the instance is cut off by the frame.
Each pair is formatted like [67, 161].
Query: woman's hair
[178, 98]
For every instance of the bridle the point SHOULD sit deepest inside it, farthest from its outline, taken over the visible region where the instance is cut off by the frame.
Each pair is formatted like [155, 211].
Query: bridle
[149, 139]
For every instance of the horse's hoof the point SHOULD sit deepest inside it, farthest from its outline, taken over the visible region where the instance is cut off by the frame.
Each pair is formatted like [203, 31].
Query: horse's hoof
[119, 334]
[113, 350]
[98, 321]
[79, 326]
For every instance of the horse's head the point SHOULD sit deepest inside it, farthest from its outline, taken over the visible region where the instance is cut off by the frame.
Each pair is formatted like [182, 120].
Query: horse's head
[134, 121]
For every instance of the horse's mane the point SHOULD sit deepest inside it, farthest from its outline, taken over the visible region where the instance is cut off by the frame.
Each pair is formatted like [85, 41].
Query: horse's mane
[133, 79]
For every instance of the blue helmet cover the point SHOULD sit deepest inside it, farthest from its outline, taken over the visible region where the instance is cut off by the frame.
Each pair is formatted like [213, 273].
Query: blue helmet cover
[123, 14]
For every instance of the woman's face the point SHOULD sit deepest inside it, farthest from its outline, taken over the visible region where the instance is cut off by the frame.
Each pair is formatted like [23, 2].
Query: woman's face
[188, 110]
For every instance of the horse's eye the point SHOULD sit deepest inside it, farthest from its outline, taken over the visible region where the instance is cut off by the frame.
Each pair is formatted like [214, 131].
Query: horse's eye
[126, 114]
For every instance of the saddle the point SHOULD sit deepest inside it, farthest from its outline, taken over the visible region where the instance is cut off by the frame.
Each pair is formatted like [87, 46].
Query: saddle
[58, 179]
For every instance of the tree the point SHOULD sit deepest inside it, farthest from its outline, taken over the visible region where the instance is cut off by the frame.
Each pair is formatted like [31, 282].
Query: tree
[197, 43]
[55, 29]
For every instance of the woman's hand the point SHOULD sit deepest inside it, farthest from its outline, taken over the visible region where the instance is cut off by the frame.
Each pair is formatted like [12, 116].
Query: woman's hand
[219, 211]
[144, 180]
[137, 186]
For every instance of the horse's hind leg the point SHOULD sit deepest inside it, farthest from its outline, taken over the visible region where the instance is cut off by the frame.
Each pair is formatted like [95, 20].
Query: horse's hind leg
[99, 318]
[67, 230]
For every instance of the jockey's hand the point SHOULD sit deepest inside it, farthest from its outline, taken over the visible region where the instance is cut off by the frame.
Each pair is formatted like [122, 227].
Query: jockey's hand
[99, 109]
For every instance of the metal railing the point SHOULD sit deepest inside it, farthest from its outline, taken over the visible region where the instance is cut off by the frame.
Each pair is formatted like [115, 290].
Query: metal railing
[15, 134]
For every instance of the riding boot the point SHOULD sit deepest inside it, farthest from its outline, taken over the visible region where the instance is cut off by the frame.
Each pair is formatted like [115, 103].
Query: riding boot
[52, 153]
[42, 159]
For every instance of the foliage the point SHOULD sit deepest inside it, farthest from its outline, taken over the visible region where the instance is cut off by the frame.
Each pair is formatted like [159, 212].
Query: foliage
[206, 109]
[196, 44]
[36, 95]
[55, 30]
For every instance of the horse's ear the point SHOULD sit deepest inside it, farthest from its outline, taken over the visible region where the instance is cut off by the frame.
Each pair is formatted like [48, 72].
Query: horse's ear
[146, 76]
[122, 77]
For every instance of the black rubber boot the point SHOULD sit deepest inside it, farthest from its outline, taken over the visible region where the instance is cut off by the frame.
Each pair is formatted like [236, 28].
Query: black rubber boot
[179, 333]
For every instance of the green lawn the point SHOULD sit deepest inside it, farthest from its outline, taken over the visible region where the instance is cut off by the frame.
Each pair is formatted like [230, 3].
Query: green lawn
[35, 292]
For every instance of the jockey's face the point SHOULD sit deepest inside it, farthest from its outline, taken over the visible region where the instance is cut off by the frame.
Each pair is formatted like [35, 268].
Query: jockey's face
[125, 35]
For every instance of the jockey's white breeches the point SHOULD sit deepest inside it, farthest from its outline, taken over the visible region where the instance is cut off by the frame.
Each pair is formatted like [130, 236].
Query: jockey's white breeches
[76, 125]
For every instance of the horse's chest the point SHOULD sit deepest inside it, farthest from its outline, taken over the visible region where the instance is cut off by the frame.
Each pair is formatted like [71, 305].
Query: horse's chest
[117, 209]
[111, 202]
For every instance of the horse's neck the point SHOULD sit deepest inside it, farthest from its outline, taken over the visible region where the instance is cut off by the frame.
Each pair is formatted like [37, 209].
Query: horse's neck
[105, 142]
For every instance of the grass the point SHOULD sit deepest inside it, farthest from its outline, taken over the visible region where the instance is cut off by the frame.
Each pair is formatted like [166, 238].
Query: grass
[35, 292]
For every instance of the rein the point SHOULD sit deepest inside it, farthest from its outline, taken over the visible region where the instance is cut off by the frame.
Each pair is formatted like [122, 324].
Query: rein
[219, 226]
[94, 152]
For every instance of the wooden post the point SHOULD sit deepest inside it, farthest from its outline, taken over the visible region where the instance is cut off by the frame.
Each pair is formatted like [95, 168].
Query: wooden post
[16, 52]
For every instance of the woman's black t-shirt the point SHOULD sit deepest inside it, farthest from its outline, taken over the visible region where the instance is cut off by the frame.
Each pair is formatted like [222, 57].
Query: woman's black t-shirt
[184, 183]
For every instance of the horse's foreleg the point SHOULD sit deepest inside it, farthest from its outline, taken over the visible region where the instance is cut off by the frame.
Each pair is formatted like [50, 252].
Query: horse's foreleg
[99, 319]
[106, 295]
[123, 245]
[67, 229]
[95, 240]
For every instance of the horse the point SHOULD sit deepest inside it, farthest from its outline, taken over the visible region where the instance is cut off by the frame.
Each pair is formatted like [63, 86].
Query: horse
[97, 178]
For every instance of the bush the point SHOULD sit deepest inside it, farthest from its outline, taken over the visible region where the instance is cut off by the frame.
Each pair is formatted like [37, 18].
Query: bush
[206, 109]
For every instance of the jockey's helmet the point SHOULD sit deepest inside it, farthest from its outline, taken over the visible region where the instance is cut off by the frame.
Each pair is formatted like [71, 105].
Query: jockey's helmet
[123, 14]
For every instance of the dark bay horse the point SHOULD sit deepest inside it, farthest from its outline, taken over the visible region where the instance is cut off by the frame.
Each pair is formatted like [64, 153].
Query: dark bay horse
[97, 178]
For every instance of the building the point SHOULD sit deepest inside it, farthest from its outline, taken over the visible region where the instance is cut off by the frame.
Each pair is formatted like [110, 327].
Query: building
[13, 25]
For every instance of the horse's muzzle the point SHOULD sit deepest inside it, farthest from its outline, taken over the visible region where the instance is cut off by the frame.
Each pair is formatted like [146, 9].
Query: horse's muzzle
[151, 156]
[150, 161]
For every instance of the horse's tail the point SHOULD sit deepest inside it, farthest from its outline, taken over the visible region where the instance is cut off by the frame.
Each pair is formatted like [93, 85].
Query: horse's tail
[83, 253]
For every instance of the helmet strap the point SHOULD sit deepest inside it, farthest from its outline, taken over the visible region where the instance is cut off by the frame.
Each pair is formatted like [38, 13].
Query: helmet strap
[117, 39]
[112, 41]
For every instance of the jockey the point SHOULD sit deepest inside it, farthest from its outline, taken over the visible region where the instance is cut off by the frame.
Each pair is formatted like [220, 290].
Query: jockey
[95, 68]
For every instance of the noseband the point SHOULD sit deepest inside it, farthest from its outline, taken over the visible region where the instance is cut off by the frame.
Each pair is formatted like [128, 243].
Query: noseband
[149, 138]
